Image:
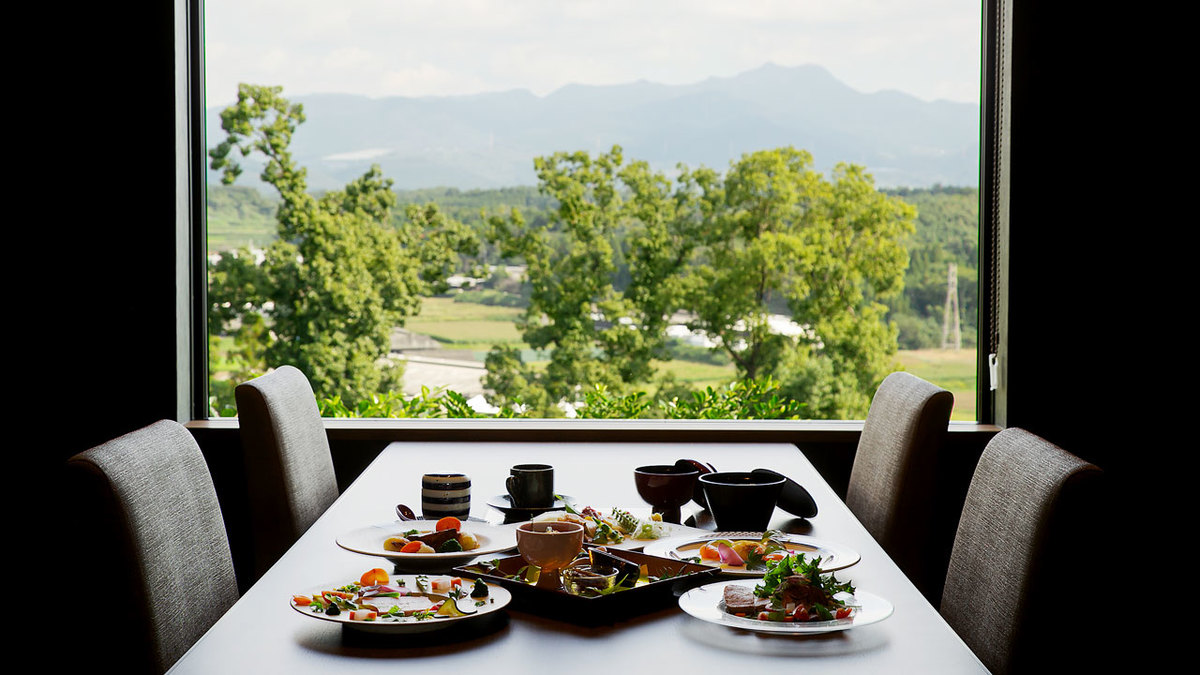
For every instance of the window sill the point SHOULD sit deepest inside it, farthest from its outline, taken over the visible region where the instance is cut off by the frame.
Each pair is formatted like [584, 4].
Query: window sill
[564, 430]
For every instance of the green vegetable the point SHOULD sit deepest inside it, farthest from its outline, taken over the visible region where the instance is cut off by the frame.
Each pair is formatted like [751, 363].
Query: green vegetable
[799, 565]
[625, 520]
[605, 534]
[449, 546]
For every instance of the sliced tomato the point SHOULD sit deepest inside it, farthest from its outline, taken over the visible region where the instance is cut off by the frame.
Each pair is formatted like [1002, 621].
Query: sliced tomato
[448, 523]
[302, 600]
[843, 612]
[374, 577]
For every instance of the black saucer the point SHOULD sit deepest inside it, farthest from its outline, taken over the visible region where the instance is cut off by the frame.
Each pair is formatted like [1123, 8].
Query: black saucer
[794, 498]
[503, 503]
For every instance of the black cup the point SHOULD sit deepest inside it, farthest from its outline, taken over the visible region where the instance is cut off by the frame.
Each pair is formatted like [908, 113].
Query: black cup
[740, 500]
[531, 485]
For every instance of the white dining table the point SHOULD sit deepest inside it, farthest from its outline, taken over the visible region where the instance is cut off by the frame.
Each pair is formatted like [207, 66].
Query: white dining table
[262, 633]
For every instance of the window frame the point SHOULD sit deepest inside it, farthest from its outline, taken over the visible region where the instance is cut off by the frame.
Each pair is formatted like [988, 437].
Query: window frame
[191, 227]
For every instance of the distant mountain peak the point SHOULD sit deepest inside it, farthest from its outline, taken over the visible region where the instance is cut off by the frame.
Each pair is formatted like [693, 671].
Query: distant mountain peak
[489, 140]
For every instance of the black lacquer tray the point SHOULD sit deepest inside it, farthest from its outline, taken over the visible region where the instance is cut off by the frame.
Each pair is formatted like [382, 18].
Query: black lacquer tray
[664, 581]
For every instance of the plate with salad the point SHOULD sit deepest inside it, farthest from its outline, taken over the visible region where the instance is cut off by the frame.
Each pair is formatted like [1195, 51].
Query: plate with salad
[794, 597]
[620, 528]
[430, 545]
[381, 603]
[749, 554]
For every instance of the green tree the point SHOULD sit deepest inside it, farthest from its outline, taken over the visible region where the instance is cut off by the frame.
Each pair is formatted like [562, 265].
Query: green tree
[776, 231]
[597, 335]
[340, 276]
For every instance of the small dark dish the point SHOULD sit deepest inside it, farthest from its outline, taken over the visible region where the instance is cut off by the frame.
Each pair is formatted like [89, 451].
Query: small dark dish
[666, 487]
[793, 498]
[742, 500]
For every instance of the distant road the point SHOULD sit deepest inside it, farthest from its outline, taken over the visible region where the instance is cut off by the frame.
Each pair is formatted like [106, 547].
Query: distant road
[464, 377]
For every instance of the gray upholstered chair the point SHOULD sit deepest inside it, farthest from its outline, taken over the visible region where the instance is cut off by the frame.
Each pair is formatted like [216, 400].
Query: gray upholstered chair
[289, 471]
[1023, 581]
[892, 483]
[157, 570]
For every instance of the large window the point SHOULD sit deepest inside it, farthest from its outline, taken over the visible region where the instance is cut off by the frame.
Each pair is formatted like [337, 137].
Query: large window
[684, 218]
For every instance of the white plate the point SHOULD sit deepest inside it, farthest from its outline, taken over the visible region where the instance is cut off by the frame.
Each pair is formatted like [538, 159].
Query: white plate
[833, 556]
[369, 541]
[498, 597]
[708, 604]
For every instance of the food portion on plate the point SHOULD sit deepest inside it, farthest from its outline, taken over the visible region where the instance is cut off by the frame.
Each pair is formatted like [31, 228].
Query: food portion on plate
[745, 553]
[446, 537]
[429, 549]
[750, 553]
[793, 589]
[377, 598]
[615, 528]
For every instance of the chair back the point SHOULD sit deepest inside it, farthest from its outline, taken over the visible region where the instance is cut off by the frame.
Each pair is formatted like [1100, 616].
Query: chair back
[1023, 501]
[150, 527]
[892, 486]
[289, 471]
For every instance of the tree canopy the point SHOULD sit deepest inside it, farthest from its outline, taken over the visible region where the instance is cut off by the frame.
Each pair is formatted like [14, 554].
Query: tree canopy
[340, 276]
[730, 251]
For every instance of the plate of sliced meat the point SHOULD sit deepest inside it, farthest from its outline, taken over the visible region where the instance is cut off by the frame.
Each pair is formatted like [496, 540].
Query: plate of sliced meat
[735, 604]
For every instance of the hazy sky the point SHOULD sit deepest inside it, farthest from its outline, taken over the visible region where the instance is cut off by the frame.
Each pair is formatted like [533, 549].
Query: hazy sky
[927, 48]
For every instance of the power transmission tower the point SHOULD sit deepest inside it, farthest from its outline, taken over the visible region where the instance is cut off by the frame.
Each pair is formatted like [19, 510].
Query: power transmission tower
[951, 300]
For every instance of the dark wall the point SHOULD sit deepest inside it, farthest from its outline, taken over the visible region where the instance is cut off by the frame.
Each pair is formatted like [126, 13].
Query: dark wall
[1083, 218]
[96, 125]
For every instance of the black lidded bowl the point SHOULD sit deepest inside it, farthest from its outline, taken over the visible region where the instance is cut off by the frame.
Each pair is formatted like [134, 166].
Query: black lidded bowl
[742, 500]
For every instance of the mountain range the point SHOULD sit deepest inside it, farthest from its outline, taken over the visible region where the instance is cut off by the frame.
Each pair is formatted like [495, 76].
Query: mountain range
[489, 140]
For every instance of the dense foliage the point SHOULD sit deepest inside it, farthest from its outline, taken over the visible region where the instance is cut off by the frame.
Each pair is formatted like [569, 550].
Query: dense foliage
[339, 277]
[725, 250]
[745, 400]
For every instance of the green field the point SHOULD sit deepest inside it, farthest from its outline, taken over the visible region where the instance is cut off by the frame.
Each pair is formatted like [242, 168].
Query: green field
[466, 325]
[475, 328]
[953, 370]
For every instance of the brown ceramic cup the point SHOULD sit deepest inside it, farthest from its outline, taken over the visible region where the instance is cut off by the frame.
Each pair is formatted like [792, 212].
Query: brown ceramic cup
[549, 545]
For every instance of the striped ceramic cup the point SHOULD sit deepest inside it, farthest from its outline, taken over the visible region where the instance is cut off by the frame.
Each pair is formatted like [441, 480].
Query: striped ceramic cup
[445, 494]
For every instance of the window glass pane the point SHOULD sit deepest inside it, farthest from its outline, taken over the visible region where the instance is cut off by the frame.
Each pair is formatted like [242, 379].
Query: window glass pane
[544, 204]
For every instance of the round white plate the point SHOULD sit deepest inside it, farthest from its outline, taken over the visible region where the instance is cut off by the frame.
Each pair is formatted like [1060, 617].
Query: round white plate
[708, 604]
[369, 541]
[498, 597]
[833, 556]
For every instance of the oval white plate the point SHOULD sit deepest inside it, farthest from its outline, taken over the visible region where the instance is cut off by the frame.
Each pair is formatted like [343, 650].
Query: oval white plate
[369, 541]
[708, 604]
[833, 556]
[498, 597]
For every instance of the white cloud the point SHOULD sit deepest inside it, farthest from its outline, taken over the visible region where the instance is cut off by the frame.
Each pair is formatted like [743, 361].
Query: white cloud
[422, 47]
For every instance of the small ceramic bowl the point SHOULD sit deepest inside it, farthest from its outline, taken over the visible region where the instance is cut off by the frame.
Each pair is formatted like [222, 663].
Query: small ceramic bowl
[741, 500]
[549, 545]
[588, 579]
